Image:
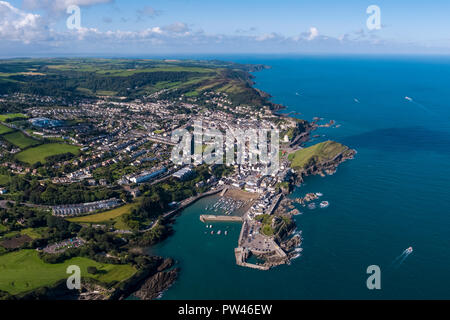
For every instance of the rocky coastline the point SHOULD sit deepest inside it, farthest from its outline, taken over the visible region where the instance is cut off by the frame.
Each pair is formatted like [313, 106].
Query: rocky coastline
[286, 234]
[154, 286]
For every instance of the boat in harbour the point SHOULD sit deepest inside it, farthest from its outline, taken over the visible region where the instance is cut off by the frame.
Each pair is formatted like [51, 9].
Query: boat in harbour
[324, 204]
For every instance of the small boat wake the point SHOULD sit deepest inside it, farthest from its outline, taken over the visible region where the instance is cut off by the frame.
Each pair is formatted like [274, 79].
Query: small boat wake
[421, 106]
[401, 258]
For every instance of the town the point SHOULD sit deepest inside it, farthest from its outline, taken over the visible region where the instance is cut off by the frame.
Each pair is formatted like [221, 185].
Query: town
[76, 168]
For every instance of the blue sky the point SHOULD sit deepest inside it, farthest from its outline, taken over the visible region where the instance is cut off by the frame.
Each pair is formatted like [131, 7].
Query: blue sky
[132, 27]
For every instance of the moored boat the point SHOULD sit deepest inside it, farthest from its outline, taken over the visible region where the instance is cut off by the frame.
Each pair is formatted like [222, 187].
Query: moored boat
[324, 204]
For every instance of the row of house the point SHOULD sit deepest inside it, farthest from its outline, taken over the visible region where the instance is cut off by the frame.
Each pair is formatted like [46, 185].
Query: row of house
[147, 175]
[82, 208]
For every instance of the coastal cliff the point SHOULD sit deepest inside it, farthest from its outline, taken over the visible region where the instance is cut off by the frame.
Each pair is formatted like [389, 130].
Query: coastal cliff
[320, 159]
[156, 284]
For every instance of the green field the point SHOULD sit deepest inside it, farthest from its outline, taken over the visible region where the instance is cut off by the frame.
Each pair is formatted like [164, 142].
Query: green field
[34, 233]
[4, 180]
[39, 153]
[3, 117]
[4, 129]
[317, 153]
[20, 140]
[23, 270]
[106, 216]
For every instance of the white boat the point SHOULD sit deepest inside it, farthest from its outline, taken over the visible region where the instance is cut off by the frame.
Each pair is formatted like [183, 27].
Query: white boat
[225, 233]
[324, 204]
[409, 250]
[408, 98]
[319, 194]
[218, 232]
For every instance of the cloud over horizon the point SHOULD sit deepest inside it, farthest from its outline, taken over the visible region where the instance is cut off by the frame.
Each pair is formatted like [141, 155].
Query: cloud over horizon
[57, 6]
[23, 31]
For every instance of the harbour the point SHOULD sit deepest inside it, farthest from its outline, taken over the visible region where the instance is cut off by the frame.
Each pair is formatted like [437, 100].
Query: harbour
[376, 202]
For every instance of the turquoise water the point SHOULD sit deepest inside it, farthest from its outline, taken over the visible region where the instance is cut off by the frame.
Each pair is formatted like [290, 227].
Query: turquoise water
[393, 195]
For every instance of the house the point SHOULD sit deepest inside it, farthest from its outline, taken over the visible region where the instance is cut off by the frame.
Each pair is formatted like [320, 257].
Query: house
[135, 192]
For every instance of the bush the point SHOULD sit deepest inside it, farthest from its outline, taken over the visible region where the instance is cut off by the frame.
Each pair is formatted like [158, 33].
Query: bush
[92, 270]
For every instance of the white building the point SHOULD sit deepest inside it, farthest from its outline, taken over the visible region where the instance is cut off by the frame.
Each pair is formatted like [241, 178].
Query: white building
[145, 176]
[183, 173]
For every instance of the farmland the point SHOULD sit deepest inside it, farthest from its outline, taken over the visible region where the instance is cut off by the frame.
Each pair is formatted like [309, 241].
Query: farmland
[131, 78]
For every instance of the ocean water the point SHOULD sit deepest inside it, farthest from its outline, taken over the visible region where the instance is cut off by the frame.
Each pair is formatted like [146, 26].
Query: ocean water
[394, 194]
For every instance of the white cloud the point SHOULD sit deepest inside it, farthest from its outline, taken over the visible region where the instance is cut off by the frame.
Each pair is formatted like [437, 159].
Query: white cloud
[17, 25]
[313, 33]
[269, 37]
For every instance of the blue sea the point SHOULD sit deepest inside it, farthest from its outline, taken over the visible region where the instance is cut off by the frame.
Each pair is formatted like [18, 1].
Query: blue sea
[394, 194]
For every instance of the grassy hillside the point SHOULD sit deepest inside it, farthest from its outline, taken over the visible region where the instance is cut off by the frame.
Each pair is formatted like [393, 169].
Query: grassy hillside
[23, 271]
[318, 153]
